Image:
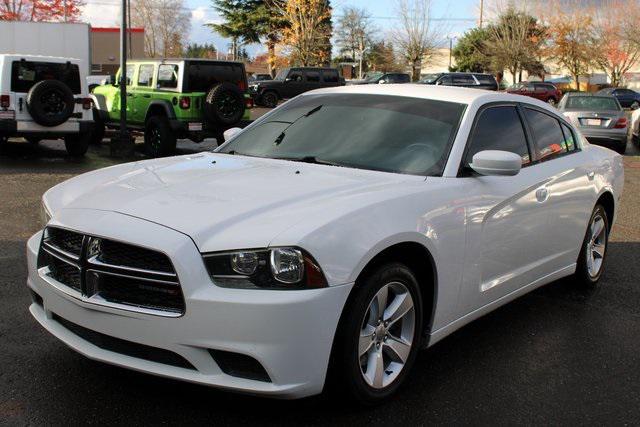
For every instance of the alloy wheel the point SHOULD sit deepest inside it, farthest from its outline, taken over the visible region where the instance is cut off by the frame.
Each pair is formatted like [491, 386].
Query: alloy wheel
[597, 245]
[387, 335]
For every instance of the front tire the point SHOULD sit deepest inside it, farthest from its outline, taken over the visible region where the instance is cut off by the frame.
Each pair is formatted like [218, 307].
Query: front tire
[379, 335]
[77, 145]
[593, 253]
[269, 99]
[159, 139]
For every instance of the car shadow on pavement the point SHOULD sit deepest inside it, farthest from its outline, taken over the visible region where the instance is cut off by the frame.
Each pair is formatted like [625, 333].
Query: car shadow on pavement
[560, 353]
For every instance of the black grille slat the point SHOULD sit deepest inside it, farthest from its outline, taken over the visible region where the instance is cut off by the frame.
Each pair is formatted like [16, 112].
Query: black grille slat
[106, 271]
[122, 254]
[128, 348]
[65, 240]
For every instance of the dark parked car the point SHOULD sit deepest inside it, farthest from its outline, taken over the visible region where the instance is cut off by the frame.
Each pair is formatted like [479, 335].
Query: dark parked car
[545, 92]
[472, 80]
[291, 82]
[626, 97]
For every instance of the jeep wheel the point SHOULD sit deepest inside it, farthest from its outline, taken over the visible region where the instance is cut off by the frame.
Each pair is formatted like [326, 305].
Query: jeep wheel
[77, 145]
[50, 103]
[269, 99]
[224, 104]
[159, 139]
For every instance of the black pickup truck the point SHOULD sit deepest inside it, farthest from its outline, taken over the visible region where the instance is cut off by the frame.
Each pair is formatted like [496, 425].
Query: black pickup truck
[291, 82]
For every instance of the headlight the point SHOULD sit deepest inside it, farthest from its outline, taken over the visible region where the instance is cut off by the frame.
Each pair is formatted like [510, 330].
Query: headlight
[45, 214]
[277, 268]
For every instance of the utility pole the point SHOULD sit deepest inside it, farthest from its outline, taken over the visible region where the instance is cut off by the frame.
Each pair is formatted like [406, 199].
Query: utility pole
[481, 12]
[122, 145]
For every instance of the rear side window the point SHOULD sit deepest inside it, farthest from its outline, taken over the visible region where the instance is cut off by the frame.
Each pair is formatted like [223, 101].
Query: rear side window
[569, 140]
[168, 76]
[330, 76]
[499, 128]
[313, 76]
[463, 79]
[25, 74]
[201, 76]
[547, 134]
[145, 75]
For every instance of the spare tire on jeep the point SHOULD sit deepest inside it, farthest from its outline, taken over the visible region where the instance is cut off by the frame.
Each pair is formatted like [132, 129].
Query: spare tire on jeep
[50, 102]
[224, 104]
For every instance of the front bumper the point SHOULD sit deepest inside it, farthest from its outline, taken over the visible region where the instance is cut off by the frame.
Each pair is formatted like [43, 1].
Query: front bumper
[290, 333]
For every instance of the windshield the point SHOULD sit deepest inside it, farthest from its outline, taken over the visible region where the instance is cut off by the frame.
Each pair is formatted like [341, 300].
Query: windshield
[375, 132]
[282, 74]
[373, 77]
[429, 78]
[592, 103]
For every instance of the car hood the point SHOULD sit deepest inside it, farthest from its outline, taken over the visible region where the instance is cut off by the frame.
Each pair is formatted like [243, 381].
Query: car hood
[224, 201]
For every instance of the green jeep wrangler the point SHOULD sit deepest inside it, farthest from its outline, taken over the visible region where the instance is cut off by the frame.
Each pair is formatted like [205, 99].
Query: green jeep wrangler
[175, 99]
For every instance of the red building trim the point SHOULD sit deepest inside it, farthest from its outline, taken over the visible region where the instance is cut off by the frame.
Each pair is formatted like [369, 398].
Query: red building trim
[115, 30]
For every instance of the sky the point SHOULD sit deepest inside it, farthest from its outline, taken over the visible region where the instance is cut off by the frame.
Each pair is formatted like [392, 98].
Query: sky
[453, 17]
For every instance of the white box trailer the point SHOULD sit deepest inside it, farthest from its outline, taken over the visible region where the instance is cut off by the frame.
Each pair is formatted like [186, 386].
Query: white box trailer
[68, 40]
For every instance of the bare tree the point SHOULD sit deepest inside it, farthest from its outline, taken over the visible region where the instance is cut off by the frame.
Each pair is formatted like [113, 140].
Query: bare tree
[166, 24]
[354, 33]
[616, 43]
[415, 38]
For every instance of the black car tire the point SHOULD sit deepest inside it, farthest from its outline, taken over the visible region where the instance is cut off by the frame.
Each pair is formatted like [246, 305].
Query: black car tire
[582, 275]
[50, 103]
[159, 139]
[345, 375]
[269, 99]
[622, 148]
[224, 104]
[78, 144]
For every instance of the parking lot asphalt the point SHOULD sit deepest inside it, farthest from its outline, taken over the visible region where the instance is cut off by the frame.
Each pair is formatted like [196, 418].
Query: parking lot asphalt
[558, 355]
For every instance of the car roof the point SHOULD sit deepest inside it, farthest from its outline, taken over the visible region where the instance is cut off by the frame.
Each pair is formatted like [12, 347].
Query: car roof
[57, 59]
[439, 93]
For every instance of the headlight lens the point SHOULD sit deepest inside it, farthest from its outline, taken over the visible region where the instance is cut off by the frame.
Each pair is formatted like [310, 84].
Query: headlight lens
[45, 214]
[277, 268]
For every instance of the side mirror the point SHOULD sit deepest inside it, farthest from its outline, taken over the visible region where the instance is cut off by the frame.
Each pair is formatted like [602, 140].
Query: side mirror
[230, 133]
[496, 163]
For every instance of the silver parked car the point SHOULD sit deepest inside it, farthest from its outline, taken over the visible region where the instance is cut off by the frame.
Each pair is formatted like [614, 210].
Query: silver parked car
[599, 117]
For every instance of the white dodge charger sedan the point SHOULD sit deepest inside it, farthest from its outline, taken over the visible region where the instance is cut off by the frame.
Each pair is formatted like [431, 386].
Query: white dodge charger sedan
[327, 242]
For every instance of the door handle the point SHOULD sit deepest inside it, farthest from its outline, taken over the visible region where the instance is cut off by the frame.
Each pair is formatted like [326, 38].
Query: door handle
[591, 175]
[542, 194]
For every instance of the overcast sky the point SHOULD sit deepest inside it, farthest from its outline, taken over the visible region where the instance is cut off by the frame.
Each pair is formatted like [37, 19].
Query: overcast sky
[454, 17]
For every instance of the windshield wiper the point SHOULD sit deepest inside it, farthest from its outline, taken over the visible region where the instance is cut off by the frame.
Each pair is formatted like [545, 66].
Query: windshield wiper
[311, 159]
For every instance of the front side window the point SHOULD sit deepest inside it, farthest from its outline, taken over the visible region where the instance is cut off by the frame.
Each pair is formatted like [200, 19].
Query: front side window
[499, 128]
[145, 75]
[25, 74]
[547, 134]
[463, 79]
[375, 132]
[295, 76]
[168, 76]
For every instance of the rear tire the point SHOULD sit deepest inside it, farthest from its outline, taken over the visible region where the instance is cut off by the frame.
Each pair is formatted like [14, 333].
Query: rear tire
[77, 145]
[372, 357]
[269, 99]
[224, 104]
[159, 139]
[621, 149]
[593, 252]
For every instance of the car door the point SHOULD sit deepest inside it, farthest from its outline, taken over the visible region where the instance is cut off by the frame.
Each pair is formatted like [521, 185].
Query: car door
[566, 172]
[507, 216]
[540, 92]
[142, 92]
[330, 78]
[312, 79]
[294, 84]
[115, 107]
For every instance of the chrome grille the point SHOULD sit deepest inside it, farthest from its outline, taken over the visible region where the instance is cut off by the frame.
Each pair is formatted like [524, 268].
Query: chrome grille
[111, 273]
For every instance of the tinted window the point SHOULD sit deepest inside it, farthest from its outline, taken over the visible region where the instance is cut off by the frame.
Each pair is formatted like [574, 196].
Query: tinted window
[445, 80]
[485, 79]
[499, 128]
[463, 79]
[403, 78]
[313, 76]
[547, 134]
[386, 133]
[168, 76]
[569, 140]
[295, 76]
[145, 75]
[201, 76]
[25, 74]
[330, 76]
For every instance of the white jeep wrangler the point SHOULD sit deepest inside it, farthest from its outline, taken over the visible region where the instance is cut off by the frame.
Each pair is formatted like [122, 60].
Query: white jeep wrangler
[44, 97]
